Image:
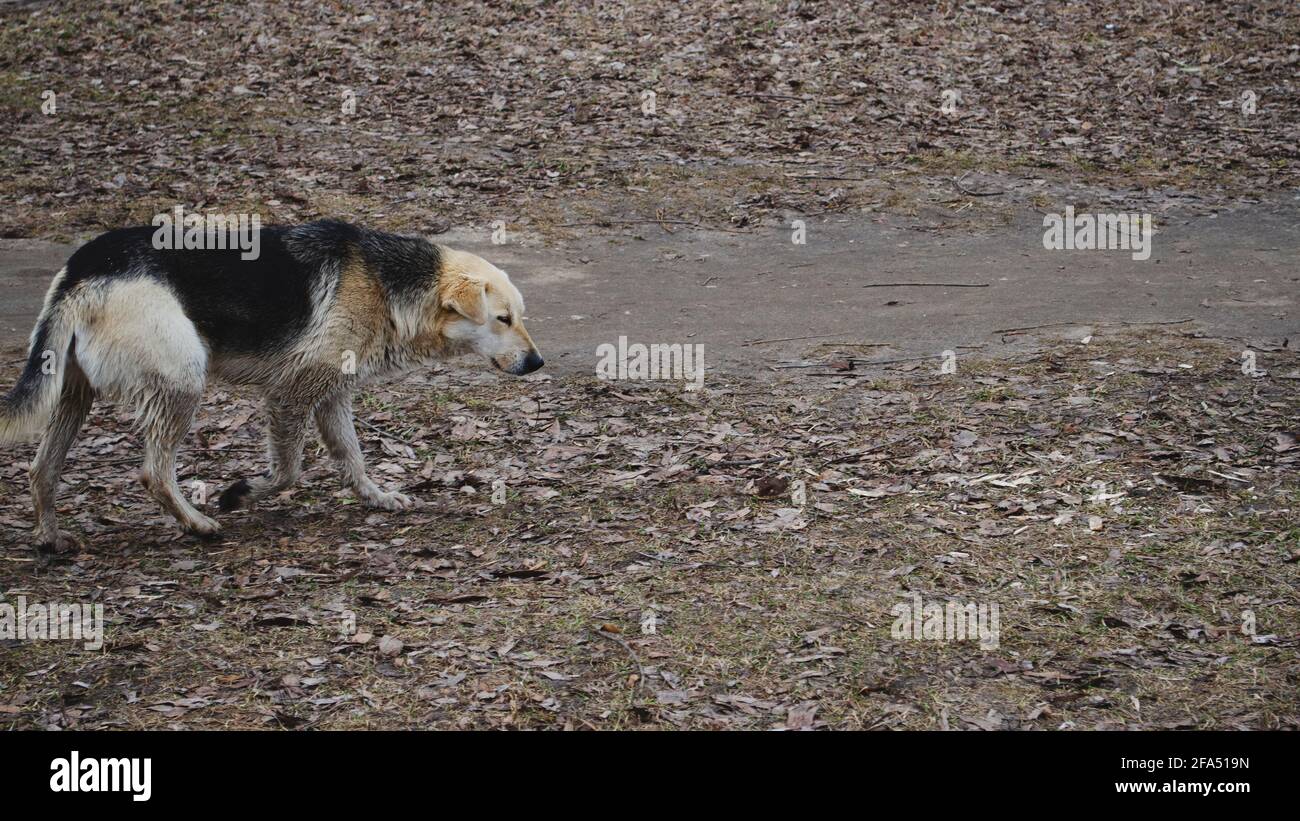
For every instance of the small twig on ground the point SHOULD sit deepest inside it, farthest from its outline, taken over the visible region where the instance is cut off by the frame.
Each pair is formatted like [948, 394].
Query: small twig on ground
[825, 177]
[682, 563]
[926, 285]
[957, 182]
[731, 463]
[767, 96]
[1086, 322]
[855, 362]
[892, 361]
[640, 668]
[363, 423]
[606, 223]
[857, 345]
[792, 339]
[1047, 325]
[856, 455]
[1170, 322]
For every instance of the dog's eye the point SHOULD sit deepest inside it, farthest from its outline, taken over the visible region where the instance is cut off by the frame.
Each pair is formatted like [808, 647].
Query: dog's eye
[504, 319]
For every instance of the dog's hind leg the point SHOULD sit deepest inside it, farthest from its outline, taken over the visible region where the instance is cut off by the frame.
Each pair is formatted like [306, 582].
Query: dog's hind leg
[286, 434]
[74, 404]
[136, 343]
[334, 420]
[165, 417]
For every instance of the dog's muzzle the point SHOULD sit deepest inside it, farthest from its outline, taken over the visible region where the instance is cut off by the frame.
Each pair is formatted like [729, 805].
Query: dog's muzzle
[528, 364]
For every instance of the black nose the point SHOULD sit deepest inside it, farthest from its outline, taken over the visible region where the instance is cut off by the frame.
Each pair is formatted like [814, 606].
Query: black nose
[532, 362]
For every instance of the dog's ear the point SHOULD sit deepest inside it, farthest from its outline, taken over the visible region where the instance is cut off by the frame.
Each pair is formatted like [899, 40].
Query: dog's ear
[467, 297]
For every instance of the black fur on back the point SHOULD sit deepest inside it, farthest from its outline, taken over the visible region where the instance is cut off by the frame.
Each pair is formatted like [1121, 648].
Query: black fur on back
[257, 305]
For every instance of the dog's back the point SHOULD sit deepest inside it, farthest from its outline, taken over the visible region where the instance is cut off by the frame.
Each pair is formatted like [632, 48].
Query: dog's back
[238, 306]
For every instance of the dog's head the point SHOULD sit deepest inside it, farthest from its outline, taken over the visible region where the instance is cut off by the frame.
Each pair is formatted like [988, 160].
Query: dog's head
[482, 311]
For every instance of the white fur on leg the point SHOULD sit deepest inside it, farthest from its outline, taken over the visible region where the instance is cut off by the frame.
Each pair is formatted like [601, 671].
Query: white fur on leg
[334, 419]
[373, 496]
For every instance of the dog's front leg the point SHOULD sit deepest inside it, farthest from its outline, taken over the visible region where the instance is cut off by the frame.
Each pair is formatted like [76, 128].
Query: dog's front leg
[334, 419]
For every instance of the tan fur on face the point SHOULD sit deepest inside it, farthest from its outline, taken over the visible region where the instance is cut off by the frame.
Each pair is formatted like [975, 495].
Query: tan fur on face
[473, 296]
[464, 295]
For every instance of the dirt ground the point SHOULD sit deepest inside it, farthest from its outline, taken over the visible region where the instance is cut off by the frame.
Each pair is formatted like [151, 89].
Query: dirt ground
[628, 554]
[1128, 504]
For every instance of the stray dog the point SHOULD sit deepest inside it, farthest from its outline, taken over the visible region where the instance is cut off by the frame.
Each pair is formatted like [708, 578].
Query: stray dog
[323, 308]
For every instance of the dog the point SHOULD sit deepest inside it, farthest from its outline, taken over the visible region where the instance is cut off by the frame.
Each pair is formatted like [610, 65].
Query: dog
[324, 308]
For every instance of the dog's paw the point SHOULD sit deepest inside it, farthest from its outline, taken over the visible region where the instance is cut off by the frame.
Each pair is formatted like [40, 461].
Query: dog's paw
[388, 501]
[234, 497]
[202, 526]
[64, 542]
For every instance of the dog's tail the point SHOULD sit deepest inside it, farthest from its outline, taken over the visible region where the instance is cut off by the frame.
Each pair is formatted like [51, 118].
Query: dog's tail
[26, 409]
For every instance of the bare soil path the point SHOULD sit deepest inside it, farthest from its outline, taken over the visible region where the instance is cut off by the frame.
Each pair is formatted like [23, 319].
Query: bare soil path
[756, 299]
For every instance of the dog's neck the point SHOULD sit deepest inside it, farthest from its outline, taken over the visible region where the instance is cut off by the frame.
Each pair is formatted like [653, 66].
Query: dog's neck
[415, 334]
